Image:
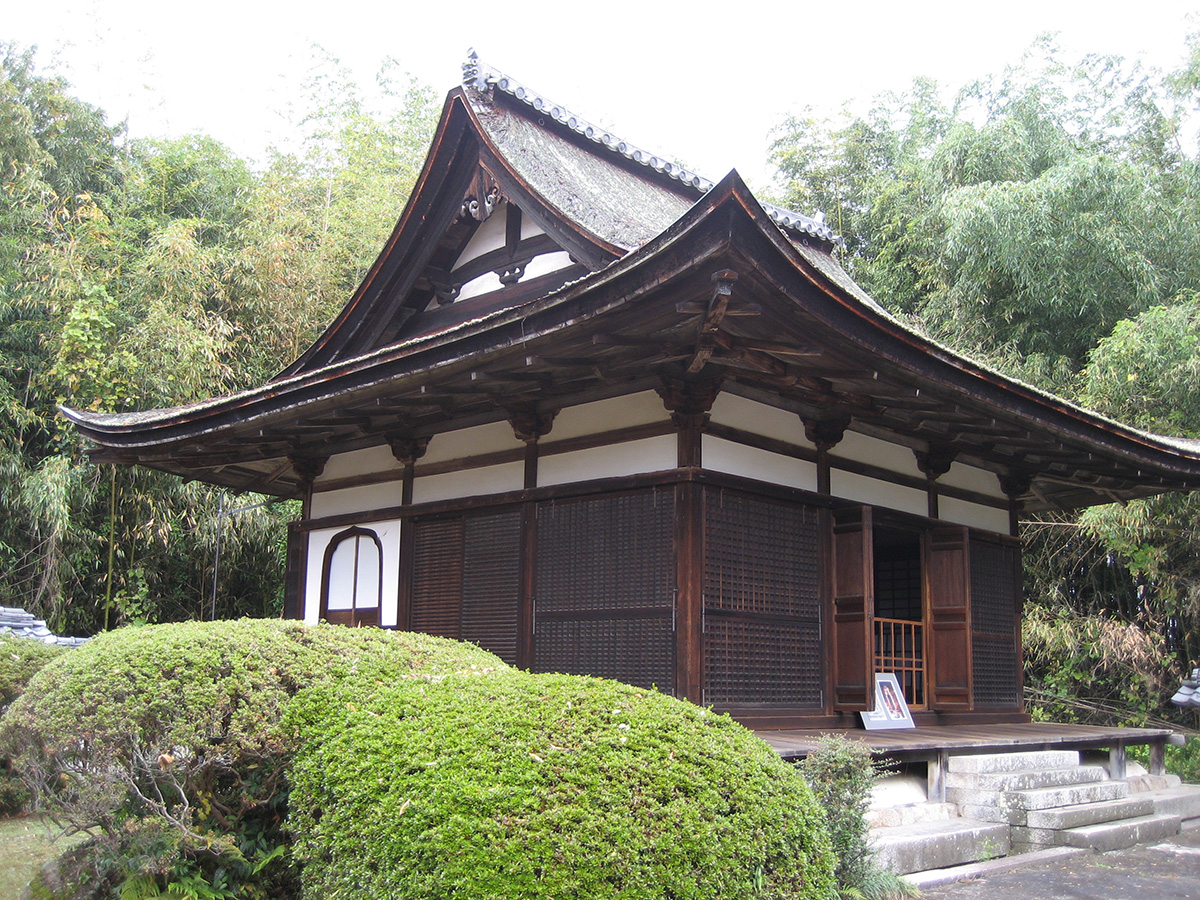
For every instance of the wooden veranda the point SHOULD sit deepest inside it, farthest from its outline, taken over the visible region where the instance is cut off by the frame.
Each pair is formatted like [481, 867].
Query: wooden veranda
[935, 744]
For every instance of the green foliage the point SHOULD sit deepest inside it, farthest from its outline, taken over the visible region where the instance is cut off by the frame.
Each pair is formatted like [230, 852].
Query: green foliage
[1094, 669]
[841, 773]
[523, 785]
[169, 743]
[1025, 220]
[1145, 373]
[150, 273]
[21, 659]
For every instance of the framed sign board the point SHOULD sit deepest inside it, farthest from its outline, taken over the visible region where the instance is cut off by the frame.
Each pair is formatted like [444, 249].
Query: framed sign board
[891, 711]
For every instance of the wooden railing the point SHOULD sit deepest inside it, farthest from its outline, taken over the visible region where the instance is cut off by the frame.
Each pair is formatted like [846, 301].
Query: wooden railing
[900, 649]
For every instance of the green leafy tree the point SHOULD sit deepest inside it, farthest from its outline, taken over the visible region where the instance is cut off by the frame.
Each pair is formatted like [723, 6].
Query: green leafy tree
[148, 273]
[1146, 373]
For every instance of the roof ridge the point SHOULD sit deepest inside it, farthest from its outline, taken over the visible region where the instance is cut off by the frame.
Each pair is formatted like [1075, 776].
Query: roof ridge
[479, 76]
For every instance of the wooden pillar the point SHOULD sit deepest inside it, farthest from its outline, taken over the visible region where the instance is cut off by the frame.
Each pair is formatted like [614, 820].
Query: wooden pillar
[689, 399]
[529, 425]
[1158, 756]
[936, 777]
[307, 469]
[407, 451]
[934, 463]
[1117, 762]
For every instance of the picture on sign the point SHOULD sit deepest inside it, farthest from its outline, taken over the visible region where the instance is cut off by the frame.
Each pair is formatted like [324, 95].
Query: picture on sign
[891, 710]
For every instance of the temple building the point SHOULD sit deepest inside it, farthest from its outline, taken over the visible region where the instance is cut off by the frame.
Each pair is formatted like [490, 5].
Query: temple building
[601, 415]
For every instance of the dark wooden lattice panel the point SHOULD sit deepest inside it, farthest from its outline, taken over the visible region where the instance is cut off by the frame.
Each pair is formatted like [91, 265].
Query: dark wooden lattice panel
[612, 552]
[762, 625]
[995, 657]
[604, 588]
[637, 651]
[762, 661]
[491, 582]
[760, 556]
[438, 577]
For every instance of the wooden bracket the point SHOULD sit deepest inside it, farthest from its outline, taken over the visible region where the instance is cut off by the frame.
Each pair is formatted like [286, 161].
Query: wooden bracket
[529, 424]
[308, 468]
[407, 450]
[936, 461]
[827, 431]
[706, 343]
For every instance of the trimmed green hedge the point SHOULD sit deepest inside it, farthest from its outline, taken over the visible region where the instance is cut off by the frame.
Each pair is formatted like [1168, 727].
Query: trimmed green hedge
[20, 659]
[524, 786]
[271, 759]
[169, 741]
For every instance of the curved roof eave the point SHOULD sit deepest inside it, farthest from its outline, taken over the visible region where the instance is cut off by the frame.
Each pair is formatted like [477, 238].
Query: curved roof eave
[850, 312]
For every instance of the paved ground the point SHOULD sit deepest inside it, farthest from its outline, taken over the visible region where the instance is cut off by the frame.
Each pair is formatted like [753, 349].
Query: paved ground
[1166, 870]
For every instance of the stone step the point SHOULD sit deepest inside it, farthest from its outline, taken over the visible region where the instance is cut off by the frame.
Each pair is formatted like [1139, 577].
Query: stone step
[1010, 762]
[1083, 814]
[936, 878]
[1182, 801]
[1014, 806]
[1102, 836]
[1119, 835]
[1024, 779]
[1152, 783]
[911, 814]
[936, 845]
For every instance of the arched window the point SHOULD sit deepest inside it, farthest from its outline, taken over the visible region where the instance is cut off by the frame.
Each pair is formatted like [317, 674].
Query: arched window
[352, 578]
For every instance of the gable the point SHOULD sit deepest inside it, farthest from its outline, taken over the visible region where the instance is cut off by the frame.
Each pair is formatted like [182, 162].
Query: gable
[574, 198]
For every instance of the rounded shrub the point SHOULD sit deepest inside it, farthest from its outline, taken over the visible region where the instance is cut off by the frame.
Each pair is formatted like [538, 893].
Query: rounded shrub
[525, 786]
[20, 660]
[169, 741]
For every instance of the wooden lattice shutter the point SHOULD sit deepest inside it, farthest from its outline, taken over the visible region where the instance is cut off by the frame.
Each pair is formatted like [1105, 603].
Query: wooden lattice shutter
[947, 568]
[604, 592]
[852, 628]
[995, 624]
[491, 576]
[438, 577]
[762, 602]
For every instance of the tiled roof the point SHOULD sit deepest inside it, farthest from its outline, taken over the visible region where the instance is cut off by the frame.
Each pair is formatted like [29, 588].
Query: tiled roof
[18, 623]
[479, 76]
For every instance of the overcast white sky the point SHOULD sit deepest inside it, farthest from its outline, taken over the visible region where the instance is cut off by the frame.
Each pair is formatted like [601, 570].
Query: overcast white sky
[701, 82]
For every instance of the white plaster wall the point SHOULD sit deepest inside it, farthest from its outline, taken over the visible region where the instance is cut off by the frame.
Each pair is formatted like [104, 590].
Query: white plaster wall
[629, 458]
[893, 457]
[480, 285]
[758, 418]
[469, 442]
[606, 415]
[388, 533]
[366, 498]
[529, 228]
[487, 237]
[970, 478]
[960, 512]
[860, 488]
[547, 262]
[469, 482]
[359, 462]
[751, 462]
